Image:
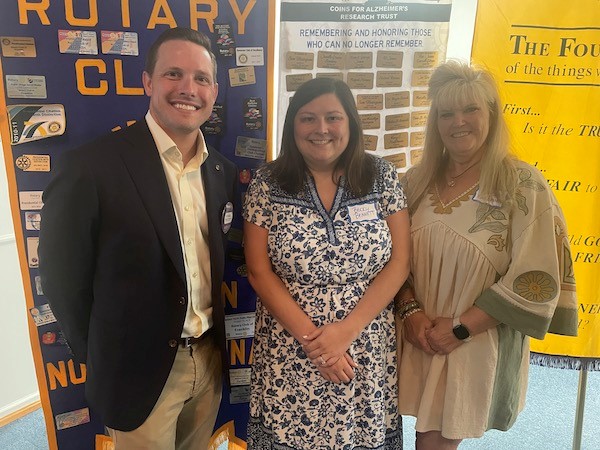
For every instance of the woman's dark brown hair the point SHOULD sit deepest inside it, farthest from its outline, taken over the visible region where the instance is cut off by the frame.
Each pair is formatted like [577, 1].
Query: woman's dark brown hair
[288, 170]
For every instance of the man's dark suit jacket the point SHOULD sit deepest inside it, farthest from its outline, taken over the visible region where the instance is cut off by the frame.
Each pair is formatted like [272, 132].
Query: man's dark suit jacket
[112, 266]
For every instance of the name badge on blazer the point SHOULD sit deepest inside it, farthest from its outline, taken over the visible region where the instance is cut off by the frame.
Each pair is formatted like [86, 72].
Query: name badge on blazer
[227, 217]
[366, 211]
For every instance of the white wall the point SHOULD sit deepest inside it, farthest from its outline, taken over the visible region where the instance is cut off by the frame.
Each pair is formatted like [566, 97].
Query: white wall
[18, 384]
[462, 22]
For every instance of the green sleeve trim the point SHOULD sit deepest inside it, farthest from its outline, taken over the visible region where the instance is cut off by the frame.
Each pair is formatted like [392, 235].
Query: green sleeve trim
[519, 319]
[506, 394]
[564, 322]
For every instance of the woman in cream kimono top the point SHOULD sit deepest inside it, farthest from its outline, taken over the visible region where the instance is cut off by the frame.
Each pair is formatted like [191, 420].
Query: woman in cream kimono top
[514, 263]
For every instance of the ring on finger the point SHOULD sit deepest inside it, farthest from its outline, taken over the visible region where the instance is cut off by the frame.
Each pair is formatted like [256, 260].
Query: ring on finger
[322, 361]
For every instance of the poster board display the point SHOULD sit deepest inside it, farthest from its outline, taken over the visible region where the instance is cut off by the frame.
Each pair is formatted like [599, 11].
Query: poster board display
[384, 51]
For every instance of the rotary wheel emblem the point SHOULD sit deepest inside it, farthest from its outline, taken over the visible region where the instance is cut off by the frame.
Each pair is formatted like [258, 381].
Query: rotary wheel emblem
[23, 162]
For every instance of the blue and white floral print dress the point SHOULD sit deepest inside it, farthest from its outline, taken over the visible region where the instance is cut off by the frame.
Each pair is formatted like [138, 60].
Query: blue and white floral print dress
[327, 261]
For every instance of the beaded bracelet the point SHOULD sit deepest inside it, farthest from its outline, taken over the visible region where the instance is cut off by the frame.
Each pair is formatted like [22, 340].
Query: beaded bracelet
[410, 313]
[407, 307]
[405, 302]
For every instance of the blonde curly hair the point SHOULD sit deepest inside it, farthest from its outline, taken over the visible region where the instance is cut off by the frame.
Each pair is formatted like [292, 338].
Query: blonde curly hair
[452, 84]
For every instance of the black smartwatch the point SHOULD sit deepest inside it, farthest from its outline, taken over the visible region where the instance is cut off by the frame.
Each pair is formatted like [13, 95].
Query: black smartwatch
[460, 331]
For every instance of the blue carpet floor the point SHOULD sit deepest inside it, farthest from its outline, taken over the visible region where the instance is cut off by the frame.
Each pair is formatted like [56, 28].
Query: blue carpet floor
[545, 424]
[27, 433]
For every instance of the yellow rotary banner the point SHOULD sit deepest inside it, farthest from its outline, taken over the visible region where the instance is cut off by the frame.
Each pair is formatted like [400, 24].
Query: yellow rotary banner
[546, 61]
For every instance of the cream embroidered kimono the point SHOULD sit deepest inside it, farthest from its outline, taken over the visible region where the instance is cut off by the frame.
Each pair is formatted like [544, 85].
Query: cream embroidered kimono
[515, 264]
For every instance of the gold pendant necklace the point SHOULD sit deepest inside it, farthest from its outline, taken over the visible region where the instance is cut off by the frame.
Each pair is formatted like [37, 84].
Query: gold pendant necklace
[452, 181]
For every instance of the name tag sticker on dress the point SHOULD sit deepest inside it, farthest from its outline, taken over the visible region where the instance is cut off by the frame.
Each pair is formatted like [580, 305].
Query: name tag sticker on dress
[362, 212]
[227, 217]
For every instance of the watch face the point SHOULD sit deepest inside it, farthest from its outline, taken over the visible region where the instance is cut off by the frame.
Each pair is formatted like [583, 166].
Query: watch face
[461, 332]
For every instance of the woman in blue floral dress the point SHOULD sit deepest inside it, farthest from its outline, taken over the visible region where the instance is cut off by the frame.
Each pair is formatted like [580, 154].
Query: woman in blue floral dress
[327, 243]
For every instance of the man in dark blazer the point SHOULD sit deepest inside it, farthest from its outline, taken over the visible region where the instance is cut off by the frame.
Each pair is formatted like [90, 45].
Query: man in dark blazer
[132, 249]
